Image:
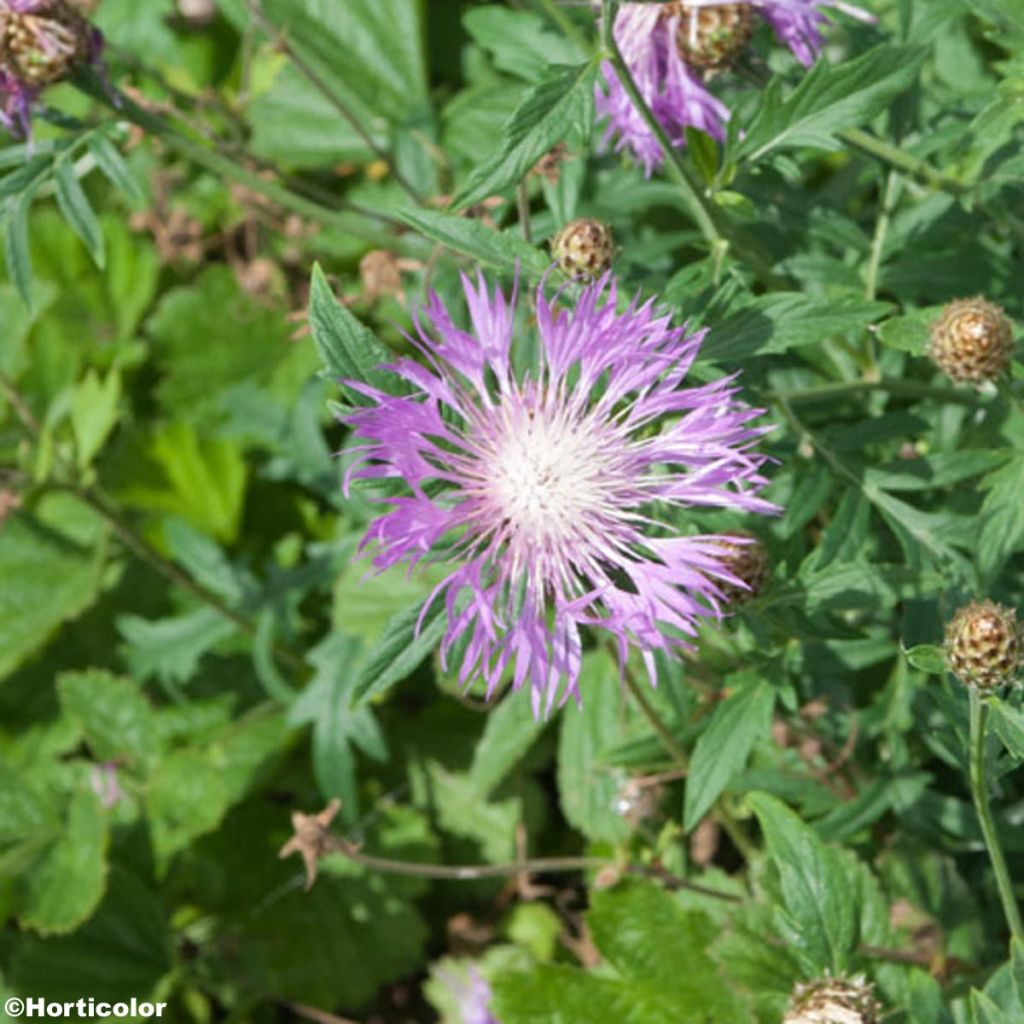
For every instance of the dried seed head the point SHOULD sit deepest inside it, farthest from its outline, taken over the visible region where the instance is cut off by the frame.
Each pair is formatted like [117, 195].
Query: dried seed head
[983, 645]
[712, 38]
[583, 249]
[972, 340]
[833, 1001]
[748, 562]
[42, 43]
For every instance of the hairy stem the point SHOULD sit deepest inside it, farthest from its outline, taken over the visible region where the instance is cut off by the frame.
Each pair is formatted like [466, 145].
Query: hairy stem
[979, 794]
[903, 388]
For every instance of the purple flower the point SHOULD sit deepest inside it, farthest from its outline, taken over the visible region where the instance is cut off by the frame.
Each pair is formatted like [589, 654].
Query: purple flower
[41, 42]
[473, 995]
[671, 48]
[550, 482]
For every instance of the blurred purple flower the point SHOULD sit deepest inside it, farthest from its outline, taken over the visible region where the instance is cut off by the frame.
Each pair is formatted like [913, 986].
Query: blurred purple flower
[105, 784]
[545, 482]
[41, 43]
[473, 995]
[654, 40]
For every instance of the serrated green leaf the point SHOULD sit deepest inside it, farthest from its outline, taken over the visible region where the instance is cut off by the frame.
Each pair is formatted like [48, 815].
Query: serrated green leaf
[820, 903]
[170, 649]
[94, 413]
[50, 574]
[828, 100]
[399, 650]
[784, 320]
[77, 209]
[116, 719]
[68, 883]
[554, 111]
[1008, 722]
[738, 722]
[518, 40]
[501, 250]
[1002, 515]
[16, 247]
[348, 350]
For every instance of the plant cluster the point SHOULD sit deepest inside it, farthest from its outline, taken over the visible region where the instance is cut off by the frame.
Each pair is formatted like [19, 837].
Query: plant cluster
[513, 512]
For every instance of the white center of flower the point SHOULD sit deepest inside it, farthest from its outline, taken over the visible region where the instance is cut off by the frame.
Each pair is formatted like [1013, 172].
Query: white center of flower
[548, 474]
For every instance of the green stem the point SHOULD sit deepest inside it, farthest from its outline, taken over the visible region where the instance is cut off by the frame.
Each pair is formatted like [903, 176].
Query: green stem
[905, 388]
[225, 167]
[979, 793]
[896, 157]
[566, 25]
[881, 231]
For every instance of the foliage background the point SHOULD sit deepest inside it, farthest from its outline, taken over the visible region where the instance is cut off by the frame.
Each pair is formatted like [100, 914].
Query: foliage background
[190, 648]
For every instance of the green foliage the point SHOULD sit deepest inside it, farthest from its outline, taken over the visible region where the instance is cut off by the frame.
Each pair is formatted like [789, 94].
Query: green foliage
[195, 643]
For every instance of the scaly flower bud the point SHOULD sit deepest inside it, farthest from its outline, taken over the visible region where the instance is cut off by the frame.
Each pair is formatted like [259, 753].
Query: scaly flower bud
[41, 43]
[748, 562]
[972, 341]
[833, 1001]
[583, 249]
[983, 645]
[711, 38]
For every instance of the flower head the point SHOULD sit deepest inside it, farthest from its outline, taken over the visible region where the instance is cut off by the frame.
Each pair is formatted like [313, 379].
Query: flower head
[834, 1001]
[550, 483]
[671, 49]
[972, 341]
[41, 43]
[583, 249]
[984, 645]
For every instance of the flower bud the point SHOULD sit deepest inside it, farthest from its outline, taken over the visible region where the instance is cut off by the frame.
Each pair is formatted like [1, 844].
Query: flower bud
[972, 341]
[746, 561]
[711, 38]
[583, 249]
[833, 1001]
[43, 41]
[983, 645]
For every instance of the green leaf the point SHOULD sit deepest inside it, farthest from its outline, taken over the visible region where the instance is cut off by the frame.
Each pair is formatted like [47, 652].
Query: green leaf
[910, 333]
[985, 1011]
[186, 798]
[77, 210]
[124, 950]
[828, 100]
[115, 718]
[643, 935]
[94, 413]
[201, 479]
[556, 110]
[348, 350]
[498, 249]
[16, 247]
[738, 722]
[784, 320]
[821, 914]
[170, 649]
[50, 575]
[928, 658]
[1002, 516]
[1004, 15]
[399, 650]
[113, 165]
[587, 786]
[510, 731]
[68, 884]
[518, 41]
[1008, 723]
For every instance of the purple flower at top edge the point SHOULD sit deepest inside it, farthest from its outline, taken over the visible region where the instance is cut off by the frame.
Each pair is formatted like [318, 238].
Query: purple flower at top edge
[545, 486]
[52, 38]
[648, 37]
